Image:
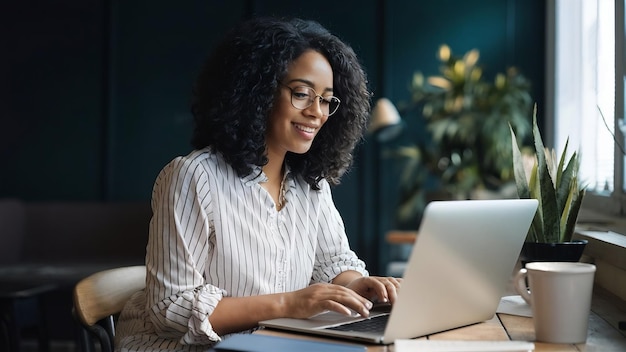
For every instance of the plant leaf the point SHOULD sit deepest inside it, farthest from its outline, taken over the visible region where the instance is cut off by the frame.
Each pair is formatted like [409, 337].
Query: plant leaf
[536, 230]
[568, 176]
[547, 193]
[570, 213]
[523, 190]
[563, 178]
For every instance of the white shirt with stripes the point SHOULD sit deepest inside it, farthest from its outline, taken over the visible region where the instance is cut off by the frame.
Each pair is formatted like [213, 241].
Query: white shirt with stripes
[214, 234]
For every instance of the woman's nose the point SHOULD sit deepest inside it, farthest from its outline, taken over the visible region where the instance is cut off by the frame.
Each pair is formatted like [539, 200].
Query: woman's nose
[316, 107]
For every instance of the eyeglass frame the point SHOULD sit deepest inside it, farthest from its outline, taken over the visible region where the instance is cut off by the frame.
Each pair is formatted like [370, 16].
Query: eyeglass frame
[312, 99]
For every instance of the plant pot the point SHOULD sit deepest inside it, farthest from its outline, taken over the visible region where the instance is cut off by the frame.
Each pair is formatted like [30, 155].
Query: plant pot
[552, 252]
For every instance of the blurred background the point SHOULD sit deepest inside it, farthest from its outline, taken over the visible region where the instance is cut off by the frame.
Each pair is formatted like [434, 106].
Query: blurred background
[94, 99]
[95, 94]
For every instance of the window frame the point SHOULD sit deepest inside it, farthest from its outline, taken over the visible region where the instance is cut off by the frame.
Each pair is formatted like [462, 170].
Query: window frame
[602, 202]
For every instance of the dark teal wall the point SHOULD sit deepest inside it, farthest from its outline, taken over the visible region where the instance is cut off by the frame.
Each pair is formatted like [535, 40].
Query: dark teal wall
[156, 49]
[51, 100]
[94, 94]
[506, 32]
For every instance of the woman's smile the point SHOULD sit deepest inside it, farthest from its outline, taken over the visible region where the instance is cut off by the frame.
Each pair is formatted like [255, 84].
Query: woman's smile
[307, 131]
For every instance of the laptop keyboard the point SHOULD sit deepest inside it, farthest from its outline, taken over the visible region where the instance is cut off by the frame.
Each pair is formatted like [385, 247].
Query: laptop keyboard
[374, 324]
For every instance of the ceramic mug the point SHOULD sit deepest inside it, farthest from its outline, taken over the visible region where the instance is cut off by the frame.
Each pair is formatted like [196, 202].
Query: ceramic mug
[559, 294]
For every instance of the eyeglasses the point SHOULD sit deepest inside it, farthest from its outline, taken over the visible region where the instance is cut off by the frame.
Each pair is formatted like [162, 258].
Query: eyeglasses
[302, 97]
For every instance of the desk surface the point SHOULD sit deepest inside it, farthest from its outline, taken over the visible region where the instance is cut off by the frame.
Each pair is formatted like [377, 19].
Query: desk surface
[604, 335]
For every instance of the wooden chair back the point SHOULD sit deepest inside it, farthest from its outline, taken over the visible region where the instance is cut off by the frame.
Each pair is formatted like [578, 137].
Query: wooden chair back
[99, 297]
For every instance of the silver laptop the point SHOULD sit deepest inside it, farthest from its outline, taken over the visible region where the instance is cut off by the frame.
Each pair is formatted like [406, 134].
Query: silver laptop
[459, 267]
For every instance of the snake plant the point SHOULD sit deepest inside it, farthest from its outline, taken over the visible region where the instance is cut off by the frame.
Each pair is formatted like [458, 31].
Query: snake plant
[555, 186]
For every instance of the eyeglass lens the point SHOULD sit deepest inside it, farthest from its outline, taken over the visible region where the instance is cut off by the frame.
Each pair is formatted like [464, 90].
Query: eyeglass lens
[302, 97]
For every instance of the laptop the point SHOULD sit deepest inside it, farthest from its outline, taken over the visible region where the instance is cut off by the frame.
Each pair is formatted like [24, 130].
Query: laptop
[458, 270]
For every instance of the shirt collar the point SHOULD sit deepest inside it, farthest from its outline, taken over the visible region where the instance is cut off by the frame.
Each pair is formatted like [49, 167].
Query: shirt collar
[258, 176]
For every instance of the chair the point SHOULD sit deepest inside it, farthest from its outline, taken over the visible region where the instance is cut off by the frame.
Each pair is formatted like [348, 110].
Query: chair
[98, 299]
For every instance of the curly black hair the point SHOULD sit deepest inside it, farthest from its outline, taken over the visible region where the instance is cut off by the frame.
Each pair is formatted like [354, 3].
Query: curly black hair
[235, 92]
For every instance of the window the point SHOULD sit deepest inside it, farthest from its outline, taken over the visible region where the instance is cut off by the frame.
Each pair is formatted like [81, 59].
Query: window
[586, 96]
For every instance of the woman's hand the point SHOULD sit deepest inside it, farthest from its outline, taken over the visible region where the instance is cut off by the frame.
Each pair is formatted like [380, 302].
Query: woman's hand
[318, 298]
[355, 296]
[376, 288]
[351, 293]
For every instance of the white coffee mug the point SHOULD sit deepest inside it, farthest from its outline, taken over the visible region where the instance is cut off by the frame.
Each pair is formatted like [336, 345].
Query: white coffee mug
[559, 294]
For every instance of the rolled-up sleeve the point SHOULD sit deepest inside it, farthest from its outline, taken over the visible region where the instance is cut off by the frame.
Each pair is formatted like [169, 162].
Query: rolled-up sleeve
[178, 300]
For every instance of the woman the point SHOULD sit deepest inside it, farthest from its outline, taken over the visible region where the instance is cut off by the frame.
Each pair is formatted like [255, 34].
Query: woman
[244, 228]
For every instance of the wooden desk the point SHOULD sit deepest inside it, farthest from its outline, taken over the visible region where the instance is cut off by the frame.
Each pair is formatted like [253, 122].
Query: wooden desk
[604, 335]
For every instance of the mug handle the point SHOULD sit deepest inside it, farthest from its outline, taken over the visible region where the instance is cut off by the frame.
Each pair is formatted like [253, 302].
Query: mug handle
[519, 282]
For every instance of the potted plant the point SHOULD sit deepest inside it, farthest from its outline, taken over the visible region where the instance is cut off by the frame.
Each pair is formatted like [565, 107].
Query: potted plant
[466, 149]
[553, 181]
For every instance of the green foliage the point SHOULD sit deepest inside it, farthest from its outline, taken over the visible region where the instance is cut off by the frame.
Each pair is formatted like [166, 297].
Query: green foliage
[468, 121]
[555, 186]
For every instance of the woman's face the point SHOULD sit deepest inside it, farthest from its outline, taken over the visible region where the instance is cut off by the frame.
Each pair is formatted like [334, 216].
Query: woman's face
[291, 129]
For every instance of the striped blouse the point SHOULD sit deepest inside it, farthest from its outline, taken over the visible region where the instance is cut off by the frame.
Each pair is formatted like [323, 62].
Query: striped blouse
[214, 234]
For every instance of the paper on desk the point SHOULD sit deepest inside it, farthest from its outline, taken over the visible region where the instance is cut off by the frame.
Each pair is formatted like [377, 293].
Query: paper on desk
[403, 345]
[514, 305]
